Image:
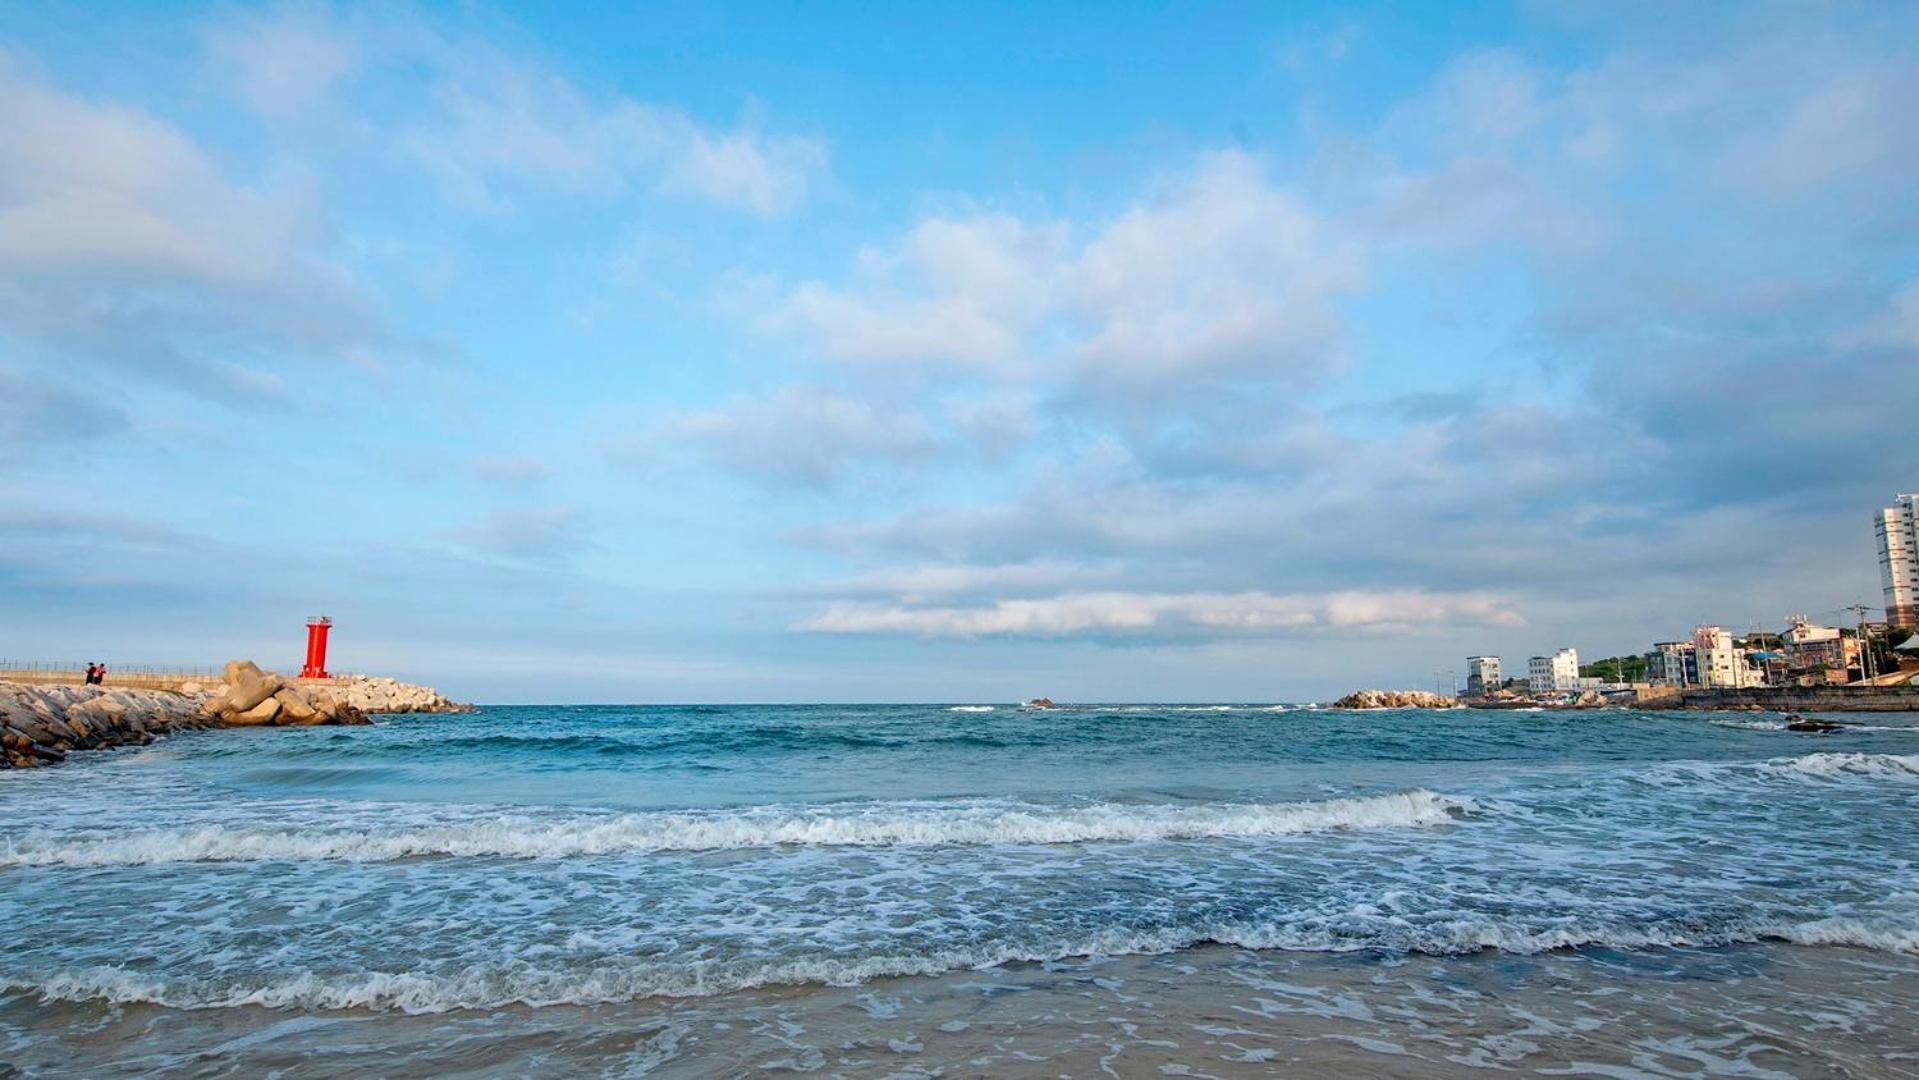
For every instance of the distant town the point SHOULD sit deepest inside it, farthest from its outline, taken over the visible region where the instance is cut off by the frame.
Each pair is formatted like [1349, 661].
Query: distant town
[1802, 653]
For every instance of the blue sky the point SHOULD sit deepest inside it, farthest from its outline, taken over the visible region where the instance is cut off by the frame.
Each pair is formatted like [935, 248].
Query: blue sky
[823, 352]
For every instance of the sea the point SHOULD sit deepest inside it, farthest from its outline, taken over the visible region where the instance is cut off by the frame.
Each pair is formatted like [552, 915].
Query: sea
[971, 889]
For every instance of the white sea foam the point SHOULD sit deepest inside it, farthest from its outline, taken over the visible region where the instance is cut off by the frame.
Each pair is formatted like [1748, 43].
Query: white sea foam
[971, 708]
[522, 982]
[1880, 766]
[885, 824]
[1754, 725]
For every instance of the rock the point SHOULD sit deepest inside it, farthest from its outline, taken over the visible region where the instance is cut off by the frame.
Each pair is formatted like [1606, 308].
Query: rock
[260, 715]
[295, 708]
[251, 688]
[1394, 699]
[1795, 722]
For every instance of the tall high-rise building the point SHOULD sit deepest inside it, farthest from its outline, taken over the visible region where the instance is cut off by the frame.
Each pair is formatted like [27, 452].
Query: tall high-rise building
[1899, 560]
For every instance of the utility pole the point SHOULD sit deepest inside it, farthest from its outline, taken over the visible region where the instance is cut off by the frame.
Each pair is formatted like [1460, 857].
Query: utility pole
[1865, 642]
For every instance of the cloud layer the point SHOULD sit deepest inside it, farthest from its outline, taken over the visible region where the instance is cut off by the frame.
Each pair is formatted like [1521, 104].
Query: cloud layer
[1203, 613]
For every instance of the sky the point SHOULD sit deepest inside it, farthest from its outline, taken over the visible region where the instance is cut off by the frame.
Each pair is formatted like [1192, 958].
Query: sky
[855, 352]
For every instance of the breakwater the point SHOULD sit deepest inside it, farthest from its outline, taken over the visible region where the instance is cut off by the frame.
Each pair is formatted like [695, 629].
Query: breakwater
[1395, 699]
[40, 724]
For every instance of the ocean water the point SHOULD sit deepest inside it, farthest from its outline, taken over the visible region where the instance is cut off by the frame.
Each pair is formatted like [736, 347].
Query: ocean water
[971, 890]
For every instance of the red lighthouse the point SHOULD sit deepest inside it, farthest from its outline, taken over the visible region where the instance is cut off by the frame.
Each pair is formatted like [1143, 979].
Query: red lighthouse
[317, 628]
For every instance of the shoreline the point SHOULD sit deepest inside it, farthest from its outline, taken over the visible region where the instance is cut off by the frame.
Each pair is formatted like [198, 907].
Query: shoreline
[1210, 1009]
[1777, 699]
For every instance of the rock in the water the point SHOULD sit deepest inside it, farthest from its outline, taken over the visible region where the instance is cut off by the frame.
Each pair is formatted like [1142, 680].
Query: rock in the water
[1795, 722]
[260, 715]
[295, 708]
[1395, 699]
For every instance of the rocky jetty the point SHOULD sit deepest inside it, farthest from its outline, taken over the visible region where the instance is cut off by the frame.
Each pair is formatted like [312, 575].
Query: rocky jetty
[41, 725]
[373, 694]
[1395, 699]
[255, 698]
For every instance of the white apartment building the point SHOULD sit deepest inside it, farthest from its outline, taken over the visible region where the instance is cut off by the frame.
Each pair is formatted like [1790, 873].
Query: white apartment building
[1482, 674]
[1899, 560]
[1548, 674]
[1721, 664]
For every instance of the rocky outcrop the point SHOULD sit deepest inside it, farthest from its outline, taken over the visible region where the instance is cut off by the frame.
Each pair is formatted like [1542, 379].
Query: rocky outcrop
[1394, 699]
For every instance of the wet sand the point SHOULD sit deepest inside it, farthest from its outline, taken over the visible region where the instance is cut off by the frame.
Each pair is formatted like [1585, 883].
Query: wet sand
[1758, 1010]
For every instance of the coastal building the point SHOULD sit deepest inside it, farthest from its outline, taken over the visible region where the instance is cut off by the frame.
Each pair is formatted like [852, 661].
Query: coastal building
[1817, 654]
[1722, 666]
[1899, 560]
[1550, 674]
[1673, 663]
[1482, 674]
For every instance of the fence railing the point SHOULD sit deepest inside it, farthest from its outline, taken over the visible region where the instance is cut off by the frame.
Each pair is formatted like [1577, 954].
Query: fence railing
[138, 676]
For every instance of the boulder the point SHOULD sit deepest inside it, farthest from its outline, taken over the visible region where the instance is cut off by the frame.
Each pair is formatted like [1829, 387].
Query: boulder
[295, 708]
[252, 688]
[260, 715]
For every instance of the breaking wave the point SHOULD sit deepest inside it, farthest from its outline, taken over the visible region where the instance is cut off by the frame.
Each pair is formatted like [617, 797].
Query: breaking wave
[1881, 766]
[885, 824]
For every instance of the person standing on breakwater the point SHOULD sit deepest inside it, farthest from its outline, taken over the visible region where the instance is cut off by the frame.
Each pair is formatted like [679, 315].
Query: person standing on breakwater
[93, 673]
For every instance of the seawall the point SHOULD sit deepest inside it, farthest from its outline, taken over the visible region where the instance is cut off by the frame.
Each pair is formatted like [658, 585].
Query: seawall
[1792, 699]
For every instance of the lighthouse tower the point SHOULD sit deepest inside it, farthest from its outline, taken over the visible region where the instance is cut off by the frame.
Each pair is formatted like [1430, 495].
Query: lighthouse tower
[315, 667]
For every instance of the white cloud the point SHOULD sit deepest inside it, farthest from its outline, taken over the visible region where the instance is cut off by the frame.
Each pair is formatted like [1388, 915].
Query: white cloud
[496, 122]
[965, 292]
[284, 63]
[122, 243]
[491, 120]
[1226, 272]
[1203, 613]
[1223, 272]
[915, 584]
[801, 436]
